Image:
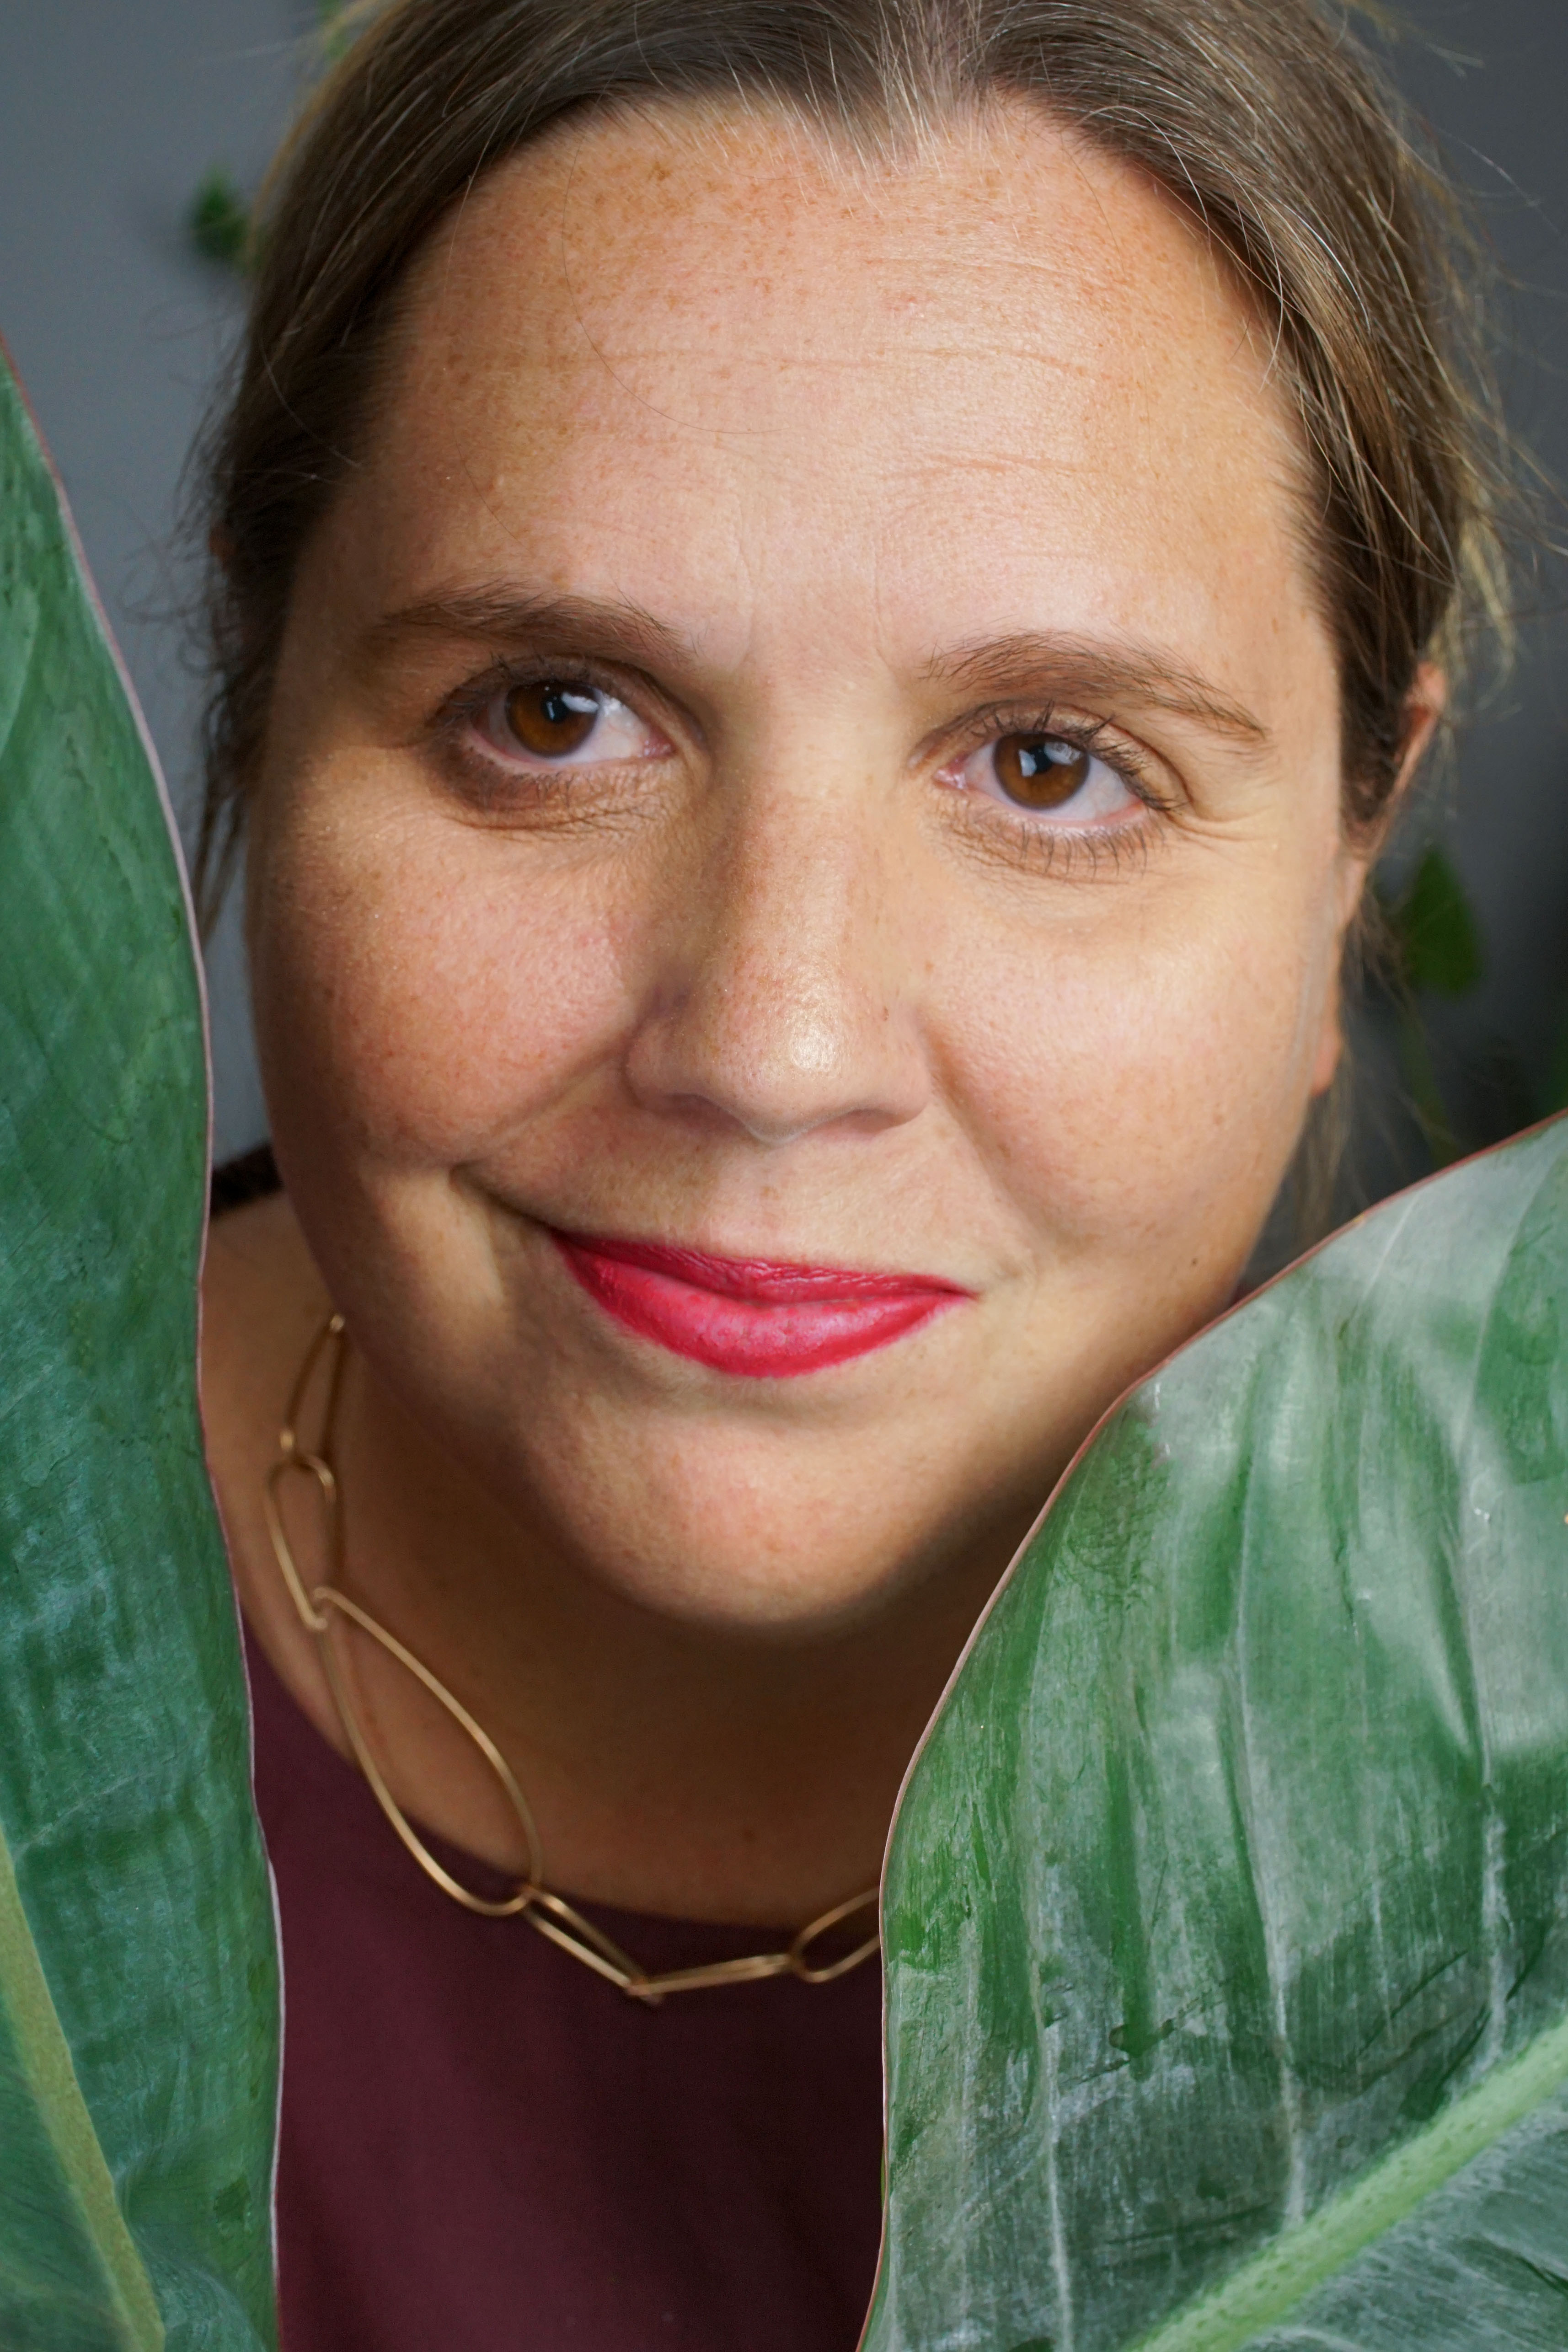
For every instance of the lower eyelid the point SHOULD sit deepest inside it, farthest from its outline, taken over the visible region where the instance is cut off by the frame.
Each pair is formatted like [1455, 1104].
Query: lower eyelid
[1127, 820]
[1061, 849]
[494, 768]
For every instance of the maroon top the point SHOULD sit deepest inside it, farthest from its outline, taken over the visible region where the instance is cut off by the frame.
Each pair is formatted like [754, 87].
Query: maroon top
[488, 2148]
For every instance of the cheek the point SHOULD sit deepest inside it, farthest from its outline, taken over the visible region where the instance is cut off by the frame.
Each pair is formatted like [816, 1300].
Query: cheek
[1148, 1076]
[416, 1000]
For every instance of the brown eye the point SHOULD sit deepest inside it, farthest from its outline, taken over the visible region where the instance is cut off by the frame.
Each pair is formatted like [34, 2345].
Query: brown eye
[1041, 772]
[551, 720]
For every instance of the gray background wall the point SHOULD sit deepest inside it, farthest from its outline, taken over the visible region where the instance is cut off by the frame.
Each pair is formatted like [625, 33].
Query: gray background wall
[111, 111]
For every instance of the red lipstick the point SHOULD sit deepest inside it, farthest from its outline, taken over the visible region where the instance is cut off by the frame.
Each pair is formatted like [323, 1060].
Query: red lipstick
[751, 1317]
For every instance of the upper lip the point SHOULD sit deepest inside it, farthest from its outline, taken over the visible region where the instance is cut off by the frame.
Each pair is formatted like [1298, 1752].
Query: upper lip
[765, 1282]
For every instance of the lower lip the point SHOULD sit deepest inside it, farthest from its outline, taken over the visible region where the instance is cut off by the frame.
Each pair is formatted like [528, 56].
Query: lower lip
[761, 1322]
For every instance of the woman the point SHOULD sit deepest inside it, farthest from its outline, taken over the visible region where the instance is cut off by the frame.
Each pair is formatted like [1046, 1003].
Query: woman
[822, 612]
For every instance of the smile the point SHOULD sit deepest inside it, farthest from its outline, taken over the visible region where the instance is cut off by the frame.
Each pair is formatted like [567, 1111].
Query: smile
[751, 1317]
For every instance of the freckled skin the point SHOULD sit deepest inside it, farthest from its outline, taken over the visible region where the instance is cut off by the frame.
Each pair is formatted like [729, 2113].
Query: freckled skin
[777, 988]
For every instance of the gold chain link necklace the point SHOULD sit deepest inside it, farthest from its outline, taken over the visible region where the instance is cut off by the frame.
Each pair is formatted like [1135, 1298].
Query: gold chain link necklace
[531, 1899]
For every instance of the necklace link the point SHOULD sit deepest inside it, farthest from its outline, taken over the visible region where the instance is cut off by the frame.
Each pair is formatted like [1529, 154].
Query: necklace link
[317, 1605]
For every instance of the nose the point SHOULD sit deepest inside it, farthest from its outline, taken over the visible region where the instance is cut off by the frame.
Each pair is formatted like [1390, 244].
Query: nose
[780, 1000]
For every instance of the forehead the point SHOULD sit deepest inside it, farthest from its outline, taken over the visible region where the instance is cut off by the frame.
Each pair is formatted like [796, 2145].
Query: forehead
[672, 356]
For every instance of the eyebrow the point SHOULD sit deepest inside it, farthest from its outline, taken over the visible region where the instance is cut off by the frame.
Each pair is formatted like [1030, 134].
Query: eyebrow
[1060, 668]
[1084, 669]
[498, 614]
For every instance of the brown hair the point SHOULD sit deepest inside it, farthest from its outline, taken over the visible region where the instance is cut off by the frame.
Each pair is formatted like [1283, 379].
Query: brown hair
[1263, 120]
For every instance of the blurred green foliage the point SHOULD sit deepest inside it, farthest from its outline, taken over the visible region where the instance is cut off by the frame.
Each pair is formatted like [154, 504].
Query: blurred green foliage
[217, 220]
[1432, 947]
[336, 35]
[1435, 932]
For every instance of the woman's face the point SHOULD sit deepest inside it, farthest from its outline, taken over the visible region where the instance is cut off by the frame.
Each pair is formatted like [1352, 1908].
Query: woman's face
[806, 739]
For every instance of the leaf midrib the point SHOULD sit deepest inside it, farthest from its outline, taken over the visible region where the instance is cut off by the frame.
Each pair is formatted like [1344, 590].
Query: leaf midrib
[1270, 2286]
[46, 2060]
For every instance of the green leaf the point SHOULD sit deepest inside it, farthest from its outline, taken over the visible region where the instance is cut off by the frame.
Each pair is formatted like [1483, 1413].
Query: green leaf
[69, 2274]
[1435, 930]
[218, 221]
[138, 1971]
[1227, 1907]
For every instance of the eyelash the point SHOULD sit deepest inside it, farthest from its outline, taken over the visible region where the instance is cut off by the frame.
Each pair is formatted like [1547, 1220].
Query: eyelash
[1043, 848]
